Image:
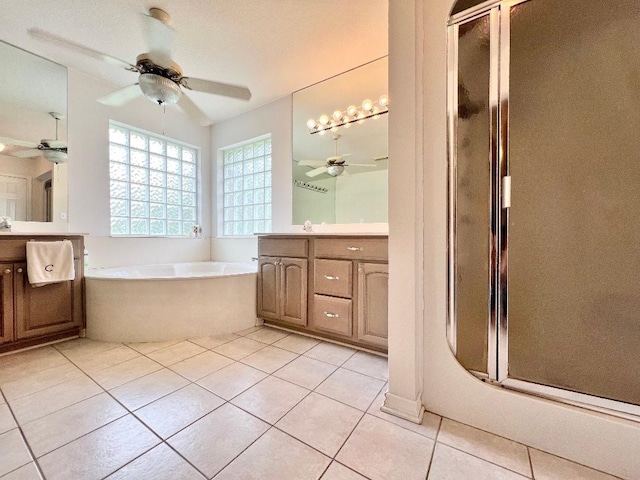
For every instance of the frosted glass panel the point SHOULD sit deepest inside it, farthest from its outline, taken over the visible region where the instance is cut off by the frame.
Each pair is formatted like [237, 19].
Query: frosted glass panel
[574, 231]
[473, 195]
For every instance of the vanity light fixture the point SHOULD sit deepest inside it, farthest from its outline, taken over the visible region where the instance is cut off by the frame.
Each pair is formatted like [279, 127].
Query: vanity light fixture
[368, 109]
[309, 186]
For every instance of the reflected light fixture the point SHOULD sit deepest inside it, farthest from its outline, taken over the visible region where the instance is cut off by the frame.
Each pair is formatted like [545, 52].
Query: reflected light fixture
[2, 146]
[55, 156]
[339, 118]
[159, 89]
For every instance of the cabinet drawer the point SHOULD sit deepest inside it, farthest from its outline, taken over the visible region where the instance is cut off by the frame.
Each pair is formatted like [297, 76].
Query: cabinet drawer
[333, 277]
[352, 248]
[13, 249]
[283, 247]
[332, 315]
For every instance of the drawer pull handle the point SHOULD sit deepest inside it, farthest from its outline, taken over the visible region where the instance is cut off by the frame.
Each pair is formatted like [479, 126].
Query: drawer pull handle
[19, 270]
[330, 277]
[355, 249]
[331, 315]
[7, 271]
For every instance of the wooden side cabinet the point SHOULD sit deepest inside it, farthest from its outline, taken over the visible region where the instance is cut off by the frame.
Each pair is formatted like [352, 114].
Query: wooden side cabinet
[282, 289]
[373, 301]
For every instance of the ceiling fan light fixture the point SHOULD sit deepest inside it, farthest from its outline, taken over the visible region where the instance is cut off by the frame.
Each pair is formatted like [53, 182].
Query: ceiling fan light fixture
[335, 170]
[55, 156]
[159, 89]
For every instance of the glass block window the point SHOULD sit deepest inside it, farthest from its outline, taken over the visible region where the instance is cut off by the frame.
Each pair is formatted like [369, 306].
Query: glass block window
[154, 184]
[247, 187]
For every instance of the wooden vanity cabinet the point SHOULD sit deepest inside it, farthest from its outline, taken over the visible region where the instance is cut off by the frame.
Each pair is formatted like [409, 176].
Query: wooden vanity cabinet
[342, 280]
[37, 315]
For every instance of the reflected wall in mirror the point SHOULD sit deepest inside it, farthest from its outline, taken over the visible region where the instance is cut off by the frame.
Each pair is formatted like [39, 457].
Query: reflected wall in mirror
[32, 188]
[358, 193]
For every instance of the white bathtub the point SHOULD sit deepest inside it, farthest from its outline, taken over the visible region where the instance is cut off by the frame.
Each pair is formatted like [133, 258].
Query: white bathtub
[155, 303]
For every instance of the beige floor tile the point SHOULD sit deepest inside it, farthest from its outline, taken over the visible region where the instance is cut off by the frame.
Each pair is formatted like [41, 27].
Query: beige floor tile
[428, 428]
[27, 472]
[214, 340]
[249, 330]
[17, 365]
[368, 364]
[278, 456]
[176, 353]
[306, 372]
[80, 347]
[13, 452]
[296, 343]
[451, 464]
[102, 360]
[269, 359]
[337, 471]
[352, 388]
[380, 450]
[270, 399]
[144, 390]
[179, 409]
[550, 467]
[213, 441]
[125, 372]
[59, 428]
[6, 419]
[330, 353]
[239, 348]
[26, 384]
[232, 380]
[494, 449]
[201, 365]
[44, 402]
[160, 463]
[321, 423]
[267, 335]
[148, 347]
[86, 458]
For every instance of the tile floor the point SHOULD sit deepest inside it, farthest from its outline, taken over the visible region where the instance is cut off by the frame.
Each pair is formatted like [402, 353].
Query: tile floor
[259, 404]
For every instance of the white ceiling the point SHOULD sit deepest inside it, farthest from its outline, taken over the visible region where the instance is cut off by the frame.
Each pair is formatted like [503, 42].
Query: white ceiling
[274, 47]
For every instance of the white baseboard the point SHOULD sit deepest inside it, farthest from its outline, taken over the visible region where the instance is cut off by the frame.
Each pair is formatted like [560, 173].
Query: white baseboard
[411, 410]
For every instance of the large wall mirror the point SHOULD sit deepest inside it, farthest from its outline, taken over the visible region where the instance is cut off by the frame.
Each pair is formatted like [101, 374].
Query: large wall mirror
[358, 192]
[33, 108]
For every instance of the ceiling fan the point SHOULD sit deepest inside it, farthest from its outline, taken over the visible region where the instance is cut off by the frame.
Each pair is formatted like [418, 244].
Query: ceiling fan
[160, 78]
[333, 165]
[53, 150]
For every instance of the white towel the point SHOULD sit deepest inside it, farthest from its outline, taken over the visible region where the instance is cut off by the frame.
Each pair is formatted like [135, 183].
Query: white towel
[50, 262]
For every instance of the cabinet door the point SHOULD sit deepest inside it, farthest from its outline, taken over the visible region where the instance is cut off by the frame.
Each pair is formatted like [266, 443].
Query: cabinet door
[268, 304]
[6, 297]
[293, 290]
[373, 295]
[43, 310]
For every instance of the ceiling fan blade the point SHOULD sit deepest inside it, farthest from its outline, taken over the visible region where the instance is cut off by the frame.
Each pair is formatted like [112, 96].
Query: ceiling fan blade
[17, 143]
[217, 88]
[119, 97]
[316, 171]
[338, 157]
[311, 163]
[27, 153]
[193, 111]
[53, 39]
[160, 40]
[364, 165]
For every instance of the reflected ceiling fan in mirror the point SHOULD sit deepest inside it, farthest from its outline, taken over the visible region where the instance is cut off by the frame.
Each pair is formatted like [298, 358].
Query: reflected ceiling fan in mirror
[53, 150]
[333, 165]
[160, 78]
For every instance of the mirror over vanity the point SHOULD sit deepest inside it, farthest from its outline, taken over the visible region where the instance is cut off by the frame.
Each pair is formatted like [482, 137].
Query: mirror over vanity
[33, 135]
[356, 190]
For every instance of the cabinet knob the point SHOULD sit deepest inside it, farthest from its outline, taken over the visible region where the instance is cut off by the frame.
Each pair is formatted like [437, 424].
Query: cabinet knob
[355, 249]
[19, 270]
[331, 277]
[331, 315]
[7, 271]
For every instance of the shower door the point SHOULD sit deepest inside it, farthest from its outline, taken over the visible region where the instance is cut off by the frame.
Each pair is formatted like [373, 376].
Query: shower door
[562, 258]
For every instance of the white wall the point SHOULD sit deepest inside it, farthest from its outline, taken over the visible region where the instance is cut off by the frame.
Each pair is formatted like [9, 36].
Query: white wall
[351, 189]
[418, 72]
[88, 136]
[317, 207]
[273, 118]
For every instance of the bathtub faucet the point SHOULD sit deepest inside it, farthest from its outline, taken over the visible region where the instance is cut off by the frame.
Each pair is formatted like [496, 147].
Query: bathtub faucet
[5, 223]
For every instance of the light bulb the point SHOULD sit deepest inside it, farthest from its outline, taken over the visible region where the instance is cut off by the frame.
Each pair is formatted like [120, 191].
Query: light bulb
[311, 124]
[352, 110]
[334, 129]
[322, 132]
[337, 115]
[2, 145]
[347, 125]
[360, 116]
[324, 120]
[367, 105]
[383, 100]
